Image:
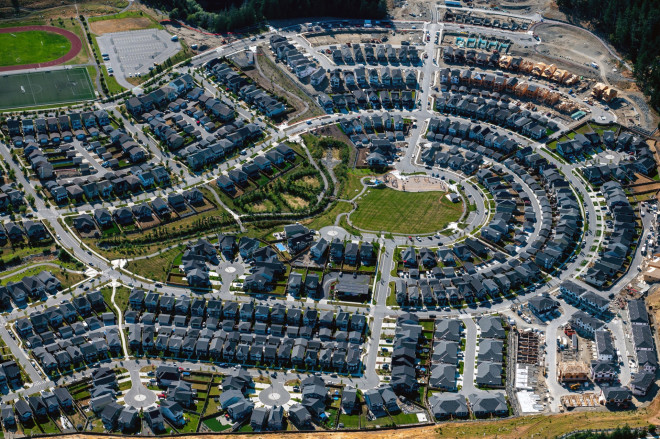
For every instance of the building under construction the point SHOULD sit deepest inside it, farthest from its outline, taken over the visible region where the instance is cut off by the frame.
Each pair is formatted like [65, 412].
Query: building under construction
[572, 372]
[603, 92]
[579, 400]
[528, 347]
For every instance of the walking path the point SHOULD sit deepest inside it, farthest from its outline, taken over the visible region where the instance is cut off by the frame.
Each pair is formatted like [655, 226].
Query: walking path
[120, 319]
[39, 264]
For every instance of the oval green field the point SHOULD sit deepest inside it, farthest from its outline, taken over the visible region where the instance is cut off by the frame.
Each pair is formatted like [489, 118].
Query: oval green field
[30, 47]
[405, 212]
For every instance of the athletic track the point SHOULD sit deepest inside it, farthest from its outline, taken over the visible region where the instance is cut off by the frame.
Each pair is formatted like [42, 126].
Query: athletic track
[76, 45]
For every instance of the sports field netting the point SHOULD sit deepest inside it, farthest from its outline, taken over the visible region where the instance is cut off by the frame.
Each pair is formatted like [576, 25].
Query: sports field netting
[45, 88]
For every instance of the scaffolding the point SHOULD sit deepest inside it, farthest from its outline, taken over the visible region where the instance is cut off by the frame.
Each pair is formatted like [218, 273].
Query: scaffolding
[528, 347]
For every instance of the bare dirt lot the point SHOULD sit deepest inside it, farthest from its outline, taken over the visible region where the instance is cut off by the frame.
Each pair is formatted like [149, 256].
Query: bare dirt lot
[570, 44]
[120, 25]
[203, 41]
[412, 9]
[331, 38]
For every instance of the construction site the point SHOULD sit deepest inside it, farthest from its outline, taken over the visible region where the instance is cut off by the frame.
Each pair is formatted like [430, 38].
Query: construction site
[580, 400]
[603, 92]
[575, 355]
[530, 387]
[376, 36]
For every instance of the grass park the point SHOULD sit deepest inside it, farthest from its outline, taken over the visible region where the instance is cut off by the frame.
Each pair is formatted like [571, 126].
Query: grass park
[405, 212]
[32, 47]
[155, 267]
[122, 295]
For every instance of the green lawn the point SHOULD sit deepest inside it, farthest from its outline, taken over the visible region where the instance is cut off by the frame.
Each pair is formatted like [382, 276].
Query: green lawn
[154, 267]
[405, 418]
[350, 421]
[215, 425]
[32, 47]
[191, 423]
[353, 184]
[405, 212]
[121, 297]
[428, 326]
[328, 217]
[391, 297]
[128, 14]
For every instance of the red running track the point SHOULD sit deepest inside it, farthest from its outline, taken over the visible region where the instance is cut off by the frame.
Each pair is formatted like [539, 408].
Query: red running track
[76, 45]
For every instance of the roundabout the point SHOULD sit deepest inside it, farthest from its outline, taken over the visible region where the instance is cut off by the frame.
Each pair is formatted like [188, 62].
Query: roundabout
[140, 397]
[275, 395]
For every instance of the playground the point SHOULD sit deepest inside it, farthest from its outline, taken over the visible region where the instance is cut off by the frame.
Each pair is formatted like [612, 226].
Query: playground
[414, 183]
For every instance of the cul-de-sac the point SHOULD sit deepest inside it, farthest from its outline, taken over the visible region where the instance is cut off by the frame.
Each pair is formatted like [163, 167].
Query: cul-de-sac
[338, 218]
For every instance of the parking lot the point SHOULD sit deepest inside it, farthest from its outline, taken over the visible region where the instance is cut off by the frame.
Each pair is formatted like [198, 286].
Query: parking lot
[134, 52]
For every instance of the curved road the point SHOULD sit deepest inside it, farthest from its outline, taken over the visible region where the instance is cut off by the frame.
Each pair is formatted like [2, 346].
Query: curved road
[376, 311]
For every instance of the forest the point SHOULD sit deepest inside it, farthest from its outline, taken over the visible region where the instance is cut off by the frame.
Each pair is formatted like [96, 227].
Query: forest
[228, 15]
[633, 27]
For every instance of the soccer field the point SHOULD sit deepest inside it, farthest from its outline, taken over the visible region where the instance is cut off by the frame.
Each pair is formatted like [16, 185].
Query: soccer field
[32, 47]
[45, 88]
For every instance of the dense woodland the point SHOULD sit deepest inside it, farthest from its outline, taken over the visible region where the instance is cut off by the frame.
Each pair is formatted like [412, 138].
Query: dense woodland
[633, 27]
[227, 15]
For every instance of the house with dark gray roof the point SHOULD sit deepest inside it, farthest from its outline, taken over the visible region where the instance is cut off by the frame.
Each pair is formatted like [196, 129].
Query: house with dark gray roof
[448, 329]
[605, 350]
[489, 374]
[491, 327]
[448, 406]
[542, 306]
[489, 404]
[443, 376]
[616, 396]
[445, 352]
[637, 312]
[641, 383]
[490, 350]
